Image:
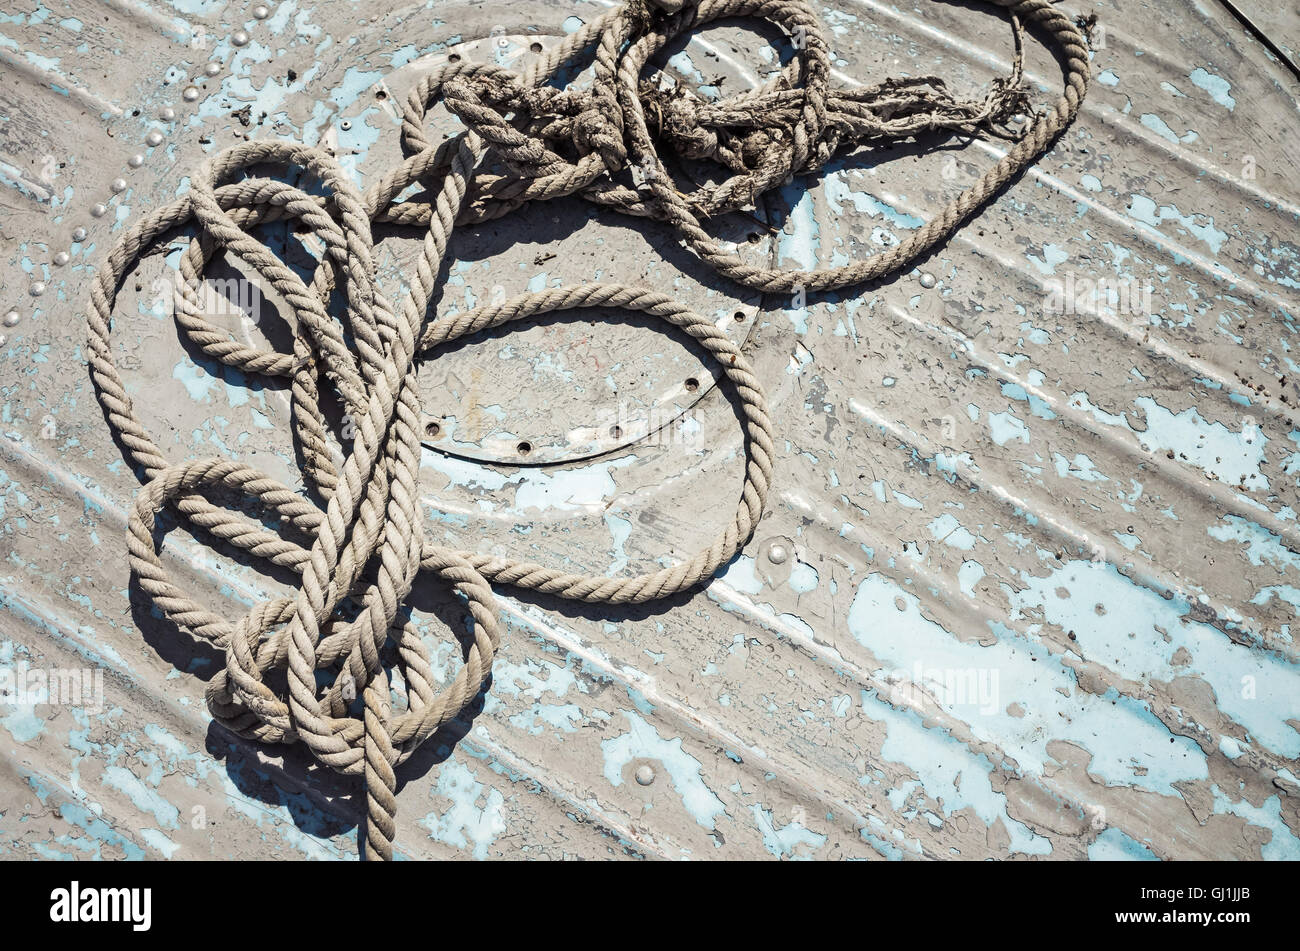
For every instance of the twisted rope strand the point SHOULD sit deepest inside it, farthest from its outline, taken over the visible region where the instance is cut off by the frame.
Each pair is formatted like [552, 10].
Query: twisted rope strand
[360, 555]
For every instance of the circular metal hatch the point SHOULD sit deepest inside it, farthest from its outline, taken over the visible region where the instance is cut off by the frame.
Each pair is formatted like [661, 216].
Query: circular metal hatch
[565, 386]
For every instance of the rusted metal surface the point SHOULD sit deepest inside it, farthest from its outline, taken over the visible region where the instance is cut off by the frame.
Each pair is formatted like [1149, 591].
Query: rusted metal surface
[1028, 577]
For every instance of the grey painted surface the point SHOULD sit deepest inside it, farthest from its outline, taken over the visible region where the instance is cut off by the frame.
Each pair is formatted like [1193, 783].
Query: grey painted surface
[1029, 571]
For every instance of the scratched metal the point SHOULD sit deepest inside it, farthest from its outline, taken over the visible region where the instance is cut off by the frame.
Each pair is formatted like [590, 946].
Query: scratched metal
[1028, 576]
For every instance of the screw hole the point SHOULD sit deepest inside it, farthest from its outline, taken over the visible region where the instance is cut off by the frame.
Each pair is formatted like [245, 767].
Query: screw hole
[616, 432]
[536, 47]
[524, 448]
[692, 384]
[739, 315]
[454, 58]
[753, 237]
[380, 94]
[432, 430]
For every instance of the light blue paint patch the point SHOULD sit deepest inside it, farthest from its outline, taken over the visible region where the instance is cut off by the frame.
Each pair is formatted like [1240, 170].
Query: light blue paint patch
[838, 193]
[1129, 744]
[197, 381]
[1284, 846]
[1143, 209]
[799, 245]
[1037, 405]
[642, 741]
[948, 530]
[531, 679]
[949, 772]
[1161, 128]
[1090, 183]
[1081, 468]
[1233, 457]
[1108, 78]
[142, 797]
[620, 530]
[1141, 631]
[22, 723]
[786, 840]
[1052, 256]
[586, 487]
[560, 717]
[803, 577]
[1116, 845]
[573, 24]
[969, 575]
[465, 821]
[740, 574]
[1007, 426]
[1216, 86]
[160, 842]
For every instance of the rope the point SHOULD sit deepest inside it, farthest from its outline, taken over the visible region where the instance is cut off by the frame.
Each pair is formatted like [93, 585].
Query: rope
[360, 555]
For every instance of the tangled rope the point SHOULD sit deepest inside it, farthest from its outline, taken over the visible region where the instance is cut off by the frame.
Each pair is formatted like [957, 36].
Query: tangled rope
[359, 556]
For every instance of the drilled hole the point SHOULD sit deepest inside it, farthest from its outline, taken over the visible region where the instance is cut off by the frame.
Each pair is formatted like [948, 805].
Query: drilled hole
[616, 432]
[753, 237]
[432, 430]
[524, 448]
[536, 47]
[454, 58]
[739, 315]
[381, 94]
[692, 384]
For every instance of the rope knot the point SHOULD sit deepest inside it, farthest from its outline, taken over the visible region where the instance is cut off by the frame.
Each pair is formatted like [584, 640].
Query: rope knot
[595, 132]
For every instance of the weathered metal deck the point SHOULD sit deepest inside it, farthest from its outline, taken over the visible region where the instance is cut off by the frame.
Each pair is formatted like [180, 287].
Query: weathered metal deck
[1027, 581]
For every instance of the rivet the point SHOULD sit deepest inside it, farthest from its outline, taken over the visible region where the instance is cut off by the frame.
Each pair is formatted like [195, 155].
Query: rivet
[239, 38]
[37, 289]
[345, 125]
[12, 318]
[190, 93]
[261, 11]
[928, 279]
[777, 554]
[135, 161]
[168, 114]
[79, 235]
[118, 185]
[3, 340]
[98, 211]
[154, 138]
[62, 258]
[645, 775]
[212, 69]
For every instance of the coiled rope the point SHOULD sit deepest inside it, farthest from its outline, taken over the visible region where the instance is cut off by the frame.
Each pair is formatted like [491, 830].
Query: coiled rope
[360, 555]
